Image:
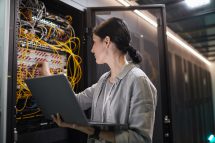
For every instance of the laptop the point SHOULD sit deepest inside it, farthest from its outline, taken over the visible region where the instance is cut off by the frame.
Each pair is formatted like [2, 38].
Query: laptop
[54, 94]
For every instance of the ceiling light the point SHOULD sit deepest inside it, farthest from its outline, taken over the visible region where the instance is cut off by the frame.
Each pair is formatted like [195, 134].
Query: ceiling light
[154, 23]
[125, 3]
[186, 46]
[196, 3]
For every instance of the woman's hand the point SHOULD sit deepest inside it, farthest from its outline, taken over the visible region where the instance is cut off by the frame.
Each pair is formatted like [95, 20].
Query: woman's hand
[43, 68]
[85, 129]
[59, 122]
[106, 135]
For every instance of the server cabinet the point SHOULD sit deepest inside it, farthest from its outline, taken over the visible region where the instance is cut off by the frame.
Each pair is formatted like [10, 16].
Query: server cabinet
[192, 113]
[25, 122]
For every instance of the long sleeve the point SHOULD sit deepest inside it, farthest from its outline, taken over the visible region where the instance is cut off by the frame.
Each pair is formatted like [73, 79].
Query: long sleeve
[141, 113]
[85, 97]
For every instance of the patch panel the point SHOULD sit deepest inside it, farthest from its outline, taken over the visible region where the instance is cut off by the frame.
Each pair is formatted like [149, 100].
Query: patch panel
[27, 57]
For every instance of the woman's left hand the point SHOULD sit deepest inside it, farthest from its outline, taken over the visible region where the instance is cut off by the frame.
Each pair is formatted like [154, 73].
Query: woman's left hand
[85, 129]
[57, 119]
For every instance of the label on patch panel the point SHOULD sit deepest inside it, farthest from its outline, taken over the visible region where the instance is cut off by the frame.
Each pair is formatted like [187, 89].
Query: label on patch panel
[28, 57]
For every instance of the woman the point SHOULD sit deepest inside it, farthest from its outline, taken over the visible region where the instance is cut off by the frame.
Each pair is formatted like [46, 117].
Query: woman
[124, 95]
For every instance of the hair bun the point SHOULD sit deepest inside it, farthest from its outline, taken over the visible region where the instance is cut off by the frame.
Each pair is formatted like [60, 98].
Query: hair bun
[134, 54]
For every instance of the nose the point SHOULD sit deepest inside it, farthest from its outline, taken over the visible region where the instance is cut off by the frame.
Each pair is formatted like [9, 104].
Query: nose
[92, 49]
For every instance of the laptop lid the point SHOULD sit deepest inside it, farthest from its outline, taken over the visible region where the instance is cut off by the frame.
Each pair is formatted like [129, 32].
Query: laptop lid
[54, 94]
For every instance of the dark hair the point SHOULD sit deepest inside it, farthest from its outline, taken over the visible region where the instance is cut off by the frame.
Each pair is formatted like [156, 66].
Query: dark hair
[118, 32]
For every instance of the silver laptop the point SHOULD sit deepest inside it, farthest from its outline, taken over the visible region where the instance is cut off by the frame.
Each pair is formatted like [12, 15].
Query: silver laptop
[54, 94]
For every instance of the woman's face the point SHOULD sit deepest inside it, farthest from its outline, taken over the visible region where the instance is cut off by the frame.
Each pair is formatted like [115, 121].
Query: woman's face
[99, 49]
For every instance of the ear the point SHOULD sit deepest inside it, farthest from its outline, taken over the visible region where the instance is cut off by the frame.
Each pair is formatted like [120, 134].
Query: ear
[107, 40]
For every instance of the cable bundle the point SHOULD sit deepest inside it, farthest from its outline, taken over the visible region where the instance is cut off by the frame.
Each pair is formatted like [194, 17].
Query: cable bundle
[43, 37]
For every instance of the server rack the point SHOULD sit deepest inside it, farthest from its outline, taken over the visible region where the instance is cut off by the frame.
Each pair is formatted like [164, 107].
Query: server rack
[191, 101]
[35, 130]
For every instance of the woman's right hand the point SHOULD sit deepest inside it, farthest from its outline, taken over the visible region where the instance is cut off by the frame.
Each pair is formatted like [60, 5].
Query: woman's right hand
[43, 68]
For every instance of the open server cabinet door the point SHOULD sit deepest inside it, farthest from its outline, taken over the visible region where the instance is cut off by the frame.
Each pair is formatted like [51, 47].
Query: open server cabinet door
[149, 37]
